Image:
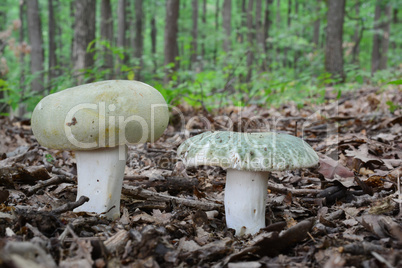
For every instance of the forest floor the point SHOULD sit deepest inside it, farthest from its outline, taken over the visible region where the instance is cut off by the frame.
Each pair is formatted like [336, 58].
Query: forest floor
[344, 212]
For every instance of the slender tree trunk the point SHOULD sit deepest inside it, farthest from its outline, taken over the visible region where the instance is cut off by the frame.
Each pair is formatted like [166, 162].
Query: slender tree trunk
[217, 8]
[278, 26]
[3, 22]
[84, 34]
[333, 46]
[356, 37]
[385, 37]
[204, 25]
[227, 24]
[22, 33]
[286, 62]
[121, 29]
[395, 22]
[297, 52]
[153, 40]
[139, 37]
[171, 31]
[243, 23]
[376, 53]
[194, 33]
[251, 39]
[316, 27]
[258, 26]
[35, 39]
[52, 42]
[62, 59]
[106, 32]
[267, 27]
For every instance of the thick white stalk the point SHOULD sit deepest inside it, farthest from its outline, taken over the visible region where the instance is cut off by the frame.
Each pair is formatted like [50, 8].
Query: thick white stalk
[100, 176]
[245, 200]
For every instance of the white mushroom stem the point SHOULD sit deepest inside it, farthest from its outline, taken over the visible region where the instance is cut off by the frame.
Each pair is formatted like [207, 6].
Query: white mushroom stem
[100, 176]
[245, 200]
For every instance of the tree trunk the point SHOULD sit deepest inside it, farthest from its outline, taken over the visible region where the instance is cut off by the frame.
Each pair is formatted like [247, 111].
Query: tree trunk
[217, 8]
[138, 37]
[267, 27]
[376, 54]
[286, 62]
[204, 25]
[121, 29]
[316, 32]
[84, 34]
[395, 22]
[52, 42]
[333, 46]
[62, 59]
[171, 31]
[35, 39]
[385, 37]
[278, 26]
[251, 38]
[153, 40]
[106, 32]
[243, 22]
[356, 37]
[258, 26]
[3, 23]
[194, 33]
[227, 24]
[21, 106]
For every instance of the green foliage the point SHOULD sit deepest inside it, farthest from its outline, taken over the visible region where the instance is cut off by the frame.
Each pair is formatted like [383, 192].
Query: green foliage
[217, 78]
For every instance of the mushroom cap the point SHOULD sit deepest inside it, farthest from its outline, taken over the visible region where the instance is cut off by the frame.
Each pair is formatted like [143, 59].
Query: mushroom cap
[263, 151]
[101, 114]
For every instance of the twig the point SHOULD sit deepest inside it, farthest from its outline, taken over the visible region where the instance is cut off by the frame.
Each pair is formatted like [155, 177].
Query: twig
[295, 192]
[149, 195]
[57, 179]
[71, 205]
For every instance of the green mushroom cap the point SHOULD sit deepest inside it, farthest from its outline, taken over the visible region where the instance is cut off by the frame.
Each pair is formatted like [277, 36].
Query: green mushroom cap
[98, 115]
[265, 151]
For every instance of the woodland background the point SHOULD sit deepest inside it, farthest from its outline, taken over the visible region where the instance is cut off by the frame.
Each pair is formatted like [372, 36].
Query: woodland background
[329, 72]
[209, 53]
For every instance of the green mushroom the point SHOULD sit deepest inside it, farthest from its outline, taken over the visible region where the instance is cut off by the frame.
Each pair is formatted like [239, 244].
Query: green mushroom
[248, 158]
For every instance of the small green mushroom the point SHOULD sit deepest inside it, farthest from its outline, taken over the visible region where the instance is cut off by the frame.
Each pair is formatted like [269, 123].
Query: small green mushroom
[248, 158]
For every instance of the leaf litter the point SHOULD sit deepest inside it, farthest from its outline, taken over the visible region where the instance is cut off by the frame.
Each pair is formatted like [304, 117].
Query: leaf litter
[346, 212]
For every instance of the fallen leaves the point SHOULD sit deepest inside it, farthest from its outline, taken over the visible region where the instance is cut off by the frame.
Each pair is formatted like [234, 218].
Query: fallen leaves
[346, 212]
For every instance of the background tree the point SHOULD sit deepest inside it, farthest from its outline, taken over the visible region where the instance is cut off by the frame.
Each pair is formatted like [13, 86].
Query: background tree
[317, 23]
[171, 30]
[52, 63]
[334, 40]
[385, 37]
[122, 29]
[84, 34]
[106, 33]
[153, 35]
[139, 38]
[251, 36]
[227, 21]
[194, 33]
[35, 40]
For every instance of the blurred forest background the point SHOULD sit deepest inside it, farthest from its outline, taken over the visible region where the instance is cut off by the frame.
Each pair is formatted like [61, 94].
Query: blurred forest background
[206, 52]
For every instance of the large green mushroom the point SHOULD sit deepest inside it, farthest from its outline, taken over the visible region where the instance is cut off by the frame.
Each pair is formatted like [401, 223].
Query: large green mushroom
[248, 158]
[97, 121]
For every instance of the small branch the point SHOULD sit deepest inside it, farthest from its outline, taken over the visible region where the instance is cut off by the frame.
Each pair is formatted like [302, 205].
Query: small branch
[71, 205]
[296, 192]
[149, 195]
[54, 180]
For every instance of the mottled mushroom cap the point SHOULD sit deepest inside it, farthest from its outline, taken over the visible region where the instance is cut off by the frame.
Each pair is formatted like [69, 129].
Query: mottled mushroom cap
[101, 114]
[265, 151]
